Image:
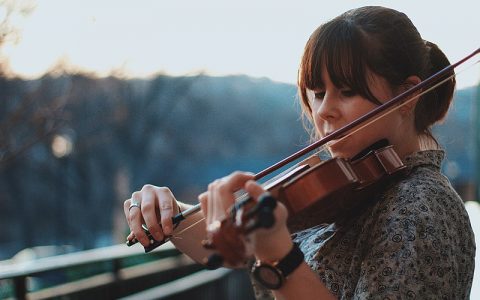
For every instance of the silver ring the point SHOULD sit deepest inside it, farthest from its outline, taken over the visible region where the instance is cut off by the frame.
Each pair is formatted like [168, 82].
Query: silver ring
[134, 204]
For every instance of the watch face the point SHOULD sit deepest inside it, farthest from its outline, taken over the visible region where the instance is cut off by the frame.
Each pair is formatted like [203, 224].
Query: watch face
[268, 276]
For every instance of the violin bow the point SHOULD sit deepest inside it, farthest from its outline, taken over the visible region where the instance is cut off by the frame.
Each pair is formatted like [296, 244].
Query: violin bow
[425, 86]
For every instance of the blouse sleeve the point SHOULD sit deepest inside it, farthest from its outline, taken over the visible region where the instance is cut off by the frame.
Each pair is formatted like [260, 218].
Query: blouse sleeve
[415, 246]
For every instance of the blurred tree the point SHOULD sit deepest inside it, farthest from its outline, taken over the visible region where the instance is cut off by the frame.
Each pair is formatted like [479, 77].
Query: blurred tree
[181, 132]
[21, 113]
[9, 32]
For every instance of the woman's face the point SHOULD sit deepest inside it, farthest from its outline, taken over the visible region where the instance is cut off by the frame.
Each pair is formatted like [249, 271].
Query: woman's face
[334, 107]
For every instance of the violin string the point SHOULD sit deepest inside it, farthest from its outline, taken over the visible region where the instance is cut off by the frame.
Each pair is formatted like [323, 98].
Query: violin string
[241, 194]
[176, 234]
[323, 148]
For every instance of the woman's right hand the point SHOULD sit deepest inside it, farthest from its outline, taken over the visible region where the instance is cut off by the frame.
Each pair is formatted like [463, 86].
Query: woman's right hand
[153, 206]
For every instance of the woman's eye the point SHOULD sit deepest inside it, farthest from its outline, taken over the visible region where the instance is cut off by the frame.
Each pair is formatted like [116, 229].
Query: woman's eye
[319, 95]
[348, 93]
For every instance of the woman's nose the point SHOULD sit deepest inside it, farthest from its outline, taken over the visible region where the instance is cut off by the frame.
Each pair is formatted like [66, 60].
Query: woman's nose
[327, 108]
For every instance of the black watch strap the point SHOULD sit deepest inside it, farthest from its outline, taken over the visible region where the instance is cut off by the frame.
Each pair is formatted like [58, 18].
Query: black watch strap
[291, 261]
[272, 276]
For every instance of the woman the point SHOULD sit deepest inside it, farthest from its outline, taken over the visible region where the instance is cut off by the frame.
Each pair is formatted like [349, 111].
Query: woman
[414, 239]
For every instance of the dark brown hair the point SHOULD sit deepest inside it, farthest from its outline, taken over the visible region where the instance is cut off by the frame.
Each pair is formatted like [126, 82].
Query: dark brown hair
[379, 40]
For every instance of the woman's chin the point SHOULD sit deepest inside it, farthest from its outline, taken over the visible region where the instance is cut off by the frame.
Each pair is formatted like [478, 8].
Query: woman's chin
[340, 153]
[341, 150]
[344, 152]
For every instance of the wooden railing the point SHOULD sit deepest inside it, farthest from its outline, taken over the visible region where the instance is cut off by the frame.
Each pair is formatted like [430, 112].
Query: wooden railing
[121, 272]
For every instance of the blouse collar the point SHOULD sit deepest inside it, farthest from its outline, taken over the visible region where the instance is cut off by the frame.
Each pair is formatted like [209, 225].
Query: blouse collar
[424, 158]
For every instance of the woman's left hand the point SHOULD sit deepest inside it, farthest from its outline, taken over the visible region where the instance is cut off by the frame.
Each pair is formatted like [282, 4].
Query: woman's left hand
[267, 244]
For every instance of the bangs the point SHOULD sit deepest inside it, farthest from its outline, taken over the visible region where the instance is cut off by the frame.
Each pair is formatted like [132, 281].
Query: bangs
[339, 47]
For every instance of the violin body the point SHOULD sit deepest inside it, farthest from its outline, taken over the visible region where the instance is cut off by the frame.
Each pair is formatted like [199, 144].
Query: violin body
[336, 187]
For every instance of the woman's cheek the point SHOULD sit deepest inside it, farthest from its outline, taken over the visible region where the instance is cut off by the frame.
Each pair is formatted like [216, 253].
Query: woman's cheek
[318, 127]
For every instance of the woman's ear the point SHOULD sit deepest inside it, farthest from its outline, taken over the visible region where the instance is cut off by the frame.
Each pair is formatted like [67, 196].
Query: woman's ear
[409, 83]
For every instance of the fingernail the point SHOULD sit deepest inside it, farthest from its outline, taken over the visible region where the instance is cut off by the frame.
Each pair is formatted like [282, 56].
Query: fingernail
[145, 241]
[157, 235]
[167, 229]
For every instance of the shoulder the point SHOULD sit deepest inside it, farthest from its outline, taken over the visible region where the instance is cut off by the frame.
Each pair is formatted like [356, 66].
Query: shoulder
[423, 202]
[424, 193]
[419, 230]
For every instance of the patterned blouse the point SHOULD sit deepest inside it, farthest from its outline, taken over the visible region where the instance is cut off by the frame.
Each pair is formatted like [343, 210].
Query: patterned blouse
[414, 242]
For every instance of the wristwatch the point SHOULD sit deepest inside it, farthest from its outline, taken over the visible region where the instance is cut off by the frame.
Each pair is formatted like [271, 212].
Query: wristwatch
[272, 276]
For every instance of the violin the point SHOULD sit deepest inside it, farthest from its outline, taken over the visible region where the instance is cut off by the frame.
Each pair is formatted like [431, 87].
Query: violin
[326, 184]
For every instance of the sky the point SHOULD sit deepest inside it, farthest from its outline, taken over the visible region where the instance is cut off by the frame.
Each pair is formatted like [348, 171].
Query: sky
[218, 37]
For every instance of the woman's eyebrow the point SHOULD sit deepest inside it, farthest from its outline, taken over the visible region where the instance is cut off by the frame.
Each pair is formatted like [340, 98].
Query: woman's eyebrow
[318, 86]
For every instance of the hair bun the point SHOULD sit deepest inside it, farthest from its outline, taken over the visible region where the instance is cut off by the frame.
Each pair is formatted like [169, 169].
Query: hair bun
[441, 97]
[438, 60]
